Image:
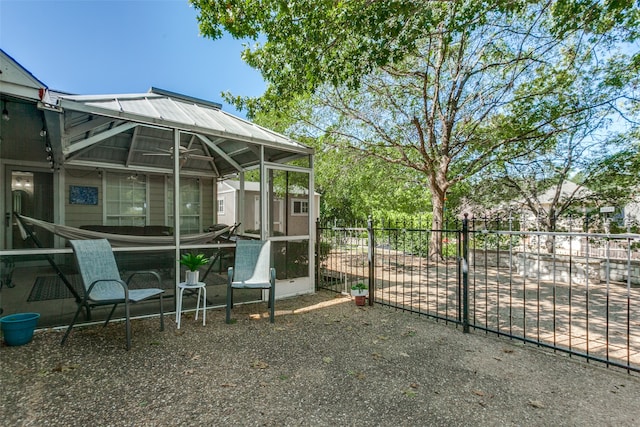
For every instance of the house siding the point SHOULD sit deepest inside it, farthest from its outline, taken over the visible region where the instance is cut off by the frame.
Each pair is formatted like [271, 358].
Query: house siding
[229, 208]
[156, 195]
[251, 200]
[208, 205]
[77, 215]
[298, 225]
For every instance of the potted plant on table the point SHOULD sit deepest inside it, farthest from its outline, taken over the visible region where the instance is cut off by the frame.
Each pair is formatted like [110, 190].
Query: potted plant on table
[193, 262]
[360, 292]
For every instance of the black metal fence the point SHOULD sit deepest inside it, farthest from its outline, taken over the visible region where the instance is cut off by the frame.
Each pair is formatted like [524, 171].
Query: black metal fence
[574, 292]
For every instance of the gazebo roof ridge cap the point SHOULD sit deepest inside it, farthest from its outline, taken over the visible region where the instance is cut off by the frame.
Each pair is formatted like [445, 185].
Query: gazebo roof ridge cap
[110, 96]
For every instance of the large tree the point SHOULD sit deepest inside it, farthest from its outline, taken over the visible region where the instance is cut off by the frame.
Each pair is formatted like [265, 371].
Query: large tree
[353, 186]
[303, 44]
[442, 88]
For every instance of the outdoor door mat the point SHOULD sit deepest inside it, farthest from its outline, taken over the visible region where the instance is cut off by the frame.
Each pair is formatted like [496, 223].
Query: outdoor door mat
[52, 287]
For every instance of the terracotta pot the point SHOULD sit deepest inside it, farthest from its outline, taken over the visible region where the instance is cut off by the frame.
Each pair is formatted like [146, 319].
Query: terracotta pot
[360, 299]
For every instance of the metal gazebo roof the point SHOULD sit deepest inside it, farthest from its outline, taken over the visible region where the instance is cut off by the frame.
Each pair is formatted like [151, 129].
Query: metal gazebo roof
[136, 131]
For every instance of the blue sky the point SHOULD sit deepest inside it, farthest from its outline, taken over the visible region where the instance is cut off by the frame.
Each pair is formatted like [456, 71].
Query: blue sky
[123, 46]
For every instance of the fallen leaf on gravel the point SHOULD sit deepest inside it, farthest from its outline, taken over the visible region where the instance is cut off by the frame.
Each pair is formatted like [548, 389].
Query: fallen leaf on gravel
[404, 355]
[414, 385]
[409, 393]
[383, 337]
[258, 364]
[536, 404]
[616, 388]
[228, 385]
[327, 359]
[507, 350]
[64, 368]
[478, 392]
[359, 375]
[377, 356]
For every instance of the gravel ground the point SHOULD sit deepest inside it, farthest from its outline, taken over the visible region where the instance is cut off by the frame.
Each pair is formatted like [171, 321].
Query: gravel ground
[324, 362]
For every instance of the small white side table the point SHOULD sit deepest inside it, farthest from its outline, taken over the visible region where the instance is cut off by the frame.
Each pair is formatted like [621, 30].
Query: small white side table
[201, 287]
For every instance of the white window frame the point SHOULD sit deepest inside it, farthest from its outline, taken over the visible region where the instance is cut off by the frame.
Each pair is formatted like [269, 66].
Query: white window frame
[220, 202]
[303, 212]
[169, 204]
[109, 217]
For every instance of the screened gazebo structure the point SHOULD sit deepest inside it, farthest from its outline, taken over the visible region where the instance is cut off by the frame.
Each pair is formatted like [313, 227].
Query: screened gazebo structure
[130, 164]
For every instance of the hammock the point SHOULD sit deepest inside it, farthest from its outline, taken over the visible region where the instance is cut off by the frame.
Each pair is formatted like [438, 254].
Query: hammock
[118, 240]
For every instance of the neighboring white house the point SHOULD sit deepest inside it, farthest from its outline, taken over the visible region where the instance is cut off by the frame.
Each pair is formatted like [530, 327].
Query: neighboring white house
[293, 206]
[621, 214]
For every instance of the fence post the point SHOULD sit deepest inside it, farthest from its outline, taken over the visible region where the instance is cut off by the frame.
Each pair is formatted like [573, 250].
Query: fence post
[465, 274]
[318, 257]
[371, 260]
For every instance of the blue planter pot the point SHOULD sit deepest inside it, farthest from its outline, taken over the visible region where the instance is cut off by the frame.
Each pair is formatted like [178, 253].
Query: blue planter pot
[18, 328]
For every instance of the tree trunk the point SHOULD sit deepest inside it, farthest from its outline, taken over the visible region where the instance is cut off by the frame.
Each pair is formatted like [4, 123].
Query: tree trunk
[438, 187]
[435, 244]
[550, 225]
